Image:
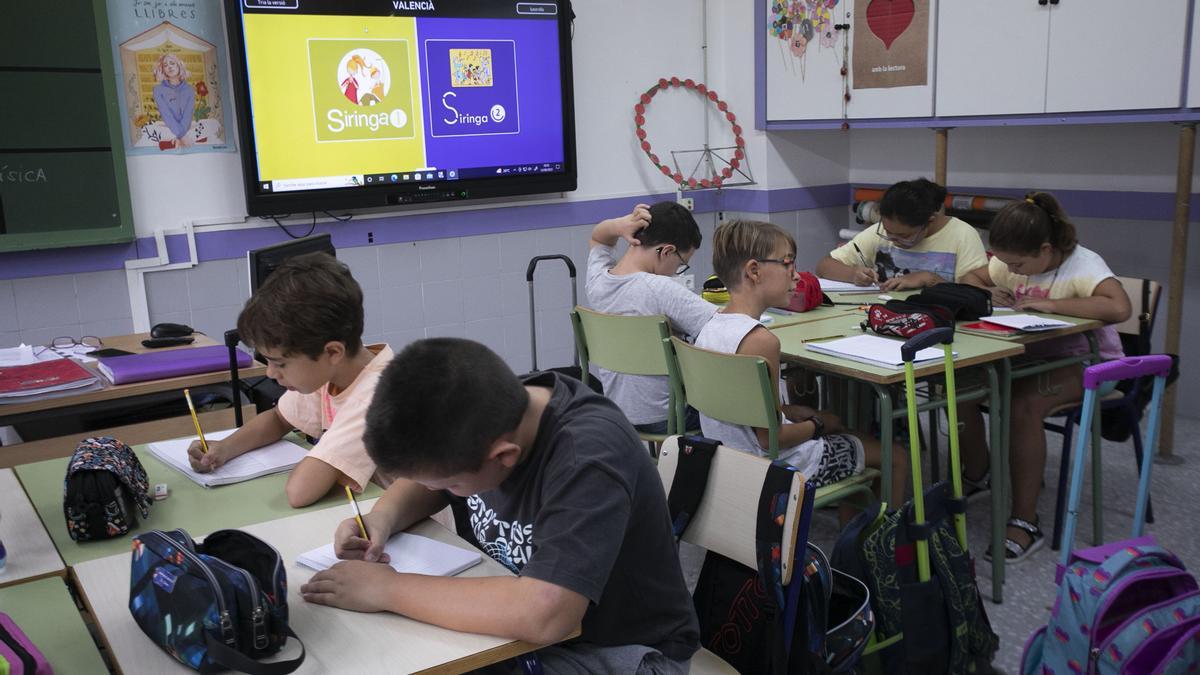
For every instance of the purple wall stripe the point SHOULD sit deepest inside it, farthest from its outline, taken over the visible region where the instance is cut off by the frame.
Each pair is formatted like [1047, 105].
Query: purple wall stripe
[228, 244]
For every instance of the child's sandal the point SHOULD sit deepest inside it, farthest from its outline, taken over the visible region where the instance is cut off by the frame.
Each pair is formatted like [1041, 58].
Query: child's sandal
[1014, 552]
[974, 489]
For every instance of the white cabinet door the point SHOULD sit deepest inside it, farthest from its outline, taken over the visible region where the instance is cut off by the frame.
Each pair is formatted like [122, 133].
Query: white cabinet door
[1115, 55]
[991, 56]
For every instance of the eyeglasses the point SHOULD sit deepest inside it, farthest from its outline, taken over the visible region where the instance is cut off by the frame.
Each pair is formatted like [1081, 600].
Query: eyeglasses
[903, 241]
[67, 342]
[789, 262]
[683, 264]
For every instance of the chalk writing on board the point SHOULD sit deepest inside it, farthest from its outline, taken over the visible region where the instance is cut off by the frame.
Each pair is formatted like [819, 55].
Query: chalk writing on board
[23, 175]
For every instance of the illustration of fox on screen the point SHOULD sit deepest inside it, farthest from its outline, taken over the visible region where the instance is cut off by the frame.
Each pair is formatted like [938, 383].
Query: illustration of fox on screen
[470, 67]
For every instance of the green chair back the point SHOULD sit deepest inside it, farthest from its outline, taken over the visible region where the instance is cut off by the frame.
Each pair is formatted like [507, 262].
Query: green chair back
[735, 388]
[629, 345]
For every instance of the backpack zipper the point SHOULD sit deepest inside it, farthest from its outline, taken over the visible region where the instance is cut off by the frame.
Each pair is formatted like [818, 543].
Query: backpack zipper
[228, 636]
[258, 614]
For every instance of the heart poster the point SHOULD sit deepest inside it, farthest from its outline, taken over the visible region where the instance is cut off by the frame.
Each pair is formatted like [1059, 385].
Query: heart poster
[891, 43]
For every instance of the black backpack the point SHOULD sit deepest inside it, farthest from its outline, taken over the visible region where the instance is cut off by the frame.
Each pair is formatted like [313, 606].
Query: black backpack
[105, 490]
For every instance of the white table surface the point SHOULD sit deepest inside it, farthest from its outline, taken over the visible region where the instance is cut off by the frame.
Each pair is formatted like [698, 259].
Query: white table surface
[336, 640]
[31, 552]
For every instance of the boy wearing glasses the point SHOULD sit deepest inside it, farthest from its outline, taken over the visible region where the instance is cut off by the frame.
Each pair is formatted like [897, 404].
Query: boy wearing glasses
[757, 262]
[914, 245]
[662, 239]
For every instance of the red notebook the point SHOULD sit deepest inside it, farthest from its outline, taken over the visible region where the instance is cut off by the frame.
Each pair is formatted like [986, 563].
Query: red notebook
[43, 376]
[989, 328]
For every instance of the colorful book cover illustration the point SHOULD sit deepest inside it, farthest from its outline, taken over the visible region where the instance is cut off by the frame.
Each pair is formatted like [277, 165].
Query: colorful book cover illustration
[470, 67]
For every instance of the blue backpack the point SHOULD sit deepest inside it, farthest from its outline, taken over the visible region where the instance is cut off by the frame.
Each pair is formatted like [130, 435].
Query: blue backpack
[1125, 607]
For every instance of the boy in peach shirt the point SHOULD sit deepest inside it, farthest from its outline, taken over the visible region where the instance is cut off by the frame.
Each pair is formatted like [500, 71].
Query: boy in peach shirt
[307, 321]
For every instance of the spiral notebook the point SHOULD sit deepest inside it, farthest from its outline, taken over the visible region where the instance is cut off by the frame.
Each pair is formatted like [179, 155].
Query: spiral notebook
[271, 458]
[410, 554]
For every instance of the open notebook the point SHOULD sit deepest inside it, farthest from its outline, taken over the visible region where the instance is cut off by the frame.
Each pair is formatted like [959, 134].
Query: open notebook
[872, 349]
[273, 458]
[410, 554]
[831, 286]
[1029, 323]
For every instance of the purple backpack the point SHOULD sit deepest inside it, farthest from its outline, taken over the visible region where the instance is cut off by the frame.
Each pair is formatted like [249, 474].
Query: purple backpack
[19, 656]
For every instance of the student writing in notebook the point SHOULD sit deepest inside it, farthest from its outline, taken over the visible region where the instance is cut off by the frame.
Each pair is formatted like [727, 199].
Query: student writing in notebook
[546, 477]
[914, 245]
[1038, 265]
[307, 321]
[757, 260]
[662, 239]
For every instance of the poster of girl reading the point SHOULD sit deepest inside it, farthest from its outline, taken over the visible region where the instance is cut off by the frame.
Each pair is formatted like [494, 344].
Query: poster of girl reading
[172, 76]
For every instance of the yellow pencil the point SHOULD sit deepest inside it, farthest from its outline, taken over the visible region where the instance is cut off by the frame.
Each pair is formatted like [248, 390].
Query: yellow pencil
[357, 514]
[196, 420]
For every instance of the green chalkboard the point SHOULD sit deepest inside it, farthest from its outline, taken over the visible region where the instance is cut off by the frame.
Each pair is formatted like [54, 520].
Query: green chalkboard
[62, 163]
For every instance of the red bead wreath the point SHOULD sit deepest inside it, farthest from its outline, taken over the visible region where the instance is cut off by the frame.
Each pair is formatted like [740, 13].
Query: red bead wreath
[639, 120]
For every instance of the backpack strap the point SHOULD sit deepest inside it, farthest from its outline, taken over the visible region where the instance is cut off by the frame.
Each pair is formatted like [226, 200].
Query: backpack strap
[231, 658]
[691, 478]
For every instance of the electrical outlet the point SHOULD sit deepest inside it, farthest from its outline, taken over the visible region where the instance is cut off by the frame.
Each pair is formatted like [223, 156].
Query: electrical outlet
[688, 203]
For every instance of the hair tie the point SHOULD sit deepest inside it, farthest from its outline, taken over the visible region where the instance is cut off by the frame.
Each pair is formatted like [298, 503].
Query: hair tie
[1030, 200]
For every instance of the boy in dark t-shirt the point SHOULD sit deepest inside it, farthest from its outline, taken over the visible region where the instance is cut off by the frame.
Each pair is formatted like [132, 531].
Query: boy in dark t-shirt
[545, 477]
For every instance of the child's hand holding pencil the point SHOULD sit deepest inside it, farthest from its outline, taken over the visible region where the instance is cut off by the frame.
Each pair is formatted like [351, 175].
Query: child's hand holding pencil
[360, 537]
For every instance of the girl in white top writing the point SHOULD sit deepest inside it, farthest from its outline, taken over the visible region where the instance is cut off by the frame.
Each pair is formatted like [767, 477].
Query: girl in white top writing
[1038, 265]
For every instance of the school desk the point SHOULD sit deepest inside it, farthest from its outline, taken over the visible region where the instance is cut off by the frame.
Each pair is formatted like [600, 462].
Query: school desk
[47, 614]
[336, 640]
[31, 553]
[887, 384]
[197, 509]
[116, 397]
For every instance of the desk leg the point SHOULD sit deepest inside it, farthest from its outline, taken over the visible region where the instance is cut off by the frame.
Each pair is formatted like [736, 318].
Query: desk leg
[998, 459]
[884, 394]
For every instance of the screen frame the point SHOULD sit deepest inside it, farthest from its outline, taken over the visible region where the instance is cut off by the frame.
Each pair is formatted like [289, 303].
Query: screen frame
[392, 195]
[264, 260]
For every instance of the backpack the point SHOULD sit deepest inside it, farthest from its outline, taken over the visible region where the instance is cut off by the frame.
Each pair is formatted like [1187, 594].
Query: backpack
[105, 489]
[746, 616]
[1125, 607]
[944, 623]
[903, 319]
[19, 656]
[213, 606]
[965, 302]
[808, 294]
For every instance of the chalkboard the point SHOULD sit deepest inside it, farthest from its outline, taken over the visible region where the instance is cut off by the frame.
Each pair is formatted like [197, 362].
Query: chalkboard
[62, 163]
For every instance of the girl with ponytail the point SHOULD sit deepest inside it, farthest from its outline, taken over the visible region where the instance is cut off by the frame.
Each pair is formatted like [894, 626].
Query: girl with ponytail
[1038, 265]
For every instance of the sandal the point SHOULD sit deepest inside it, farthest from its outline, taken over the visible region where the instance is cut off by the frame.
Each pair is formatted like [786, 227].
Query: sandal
[1014, 552]
[975, 488]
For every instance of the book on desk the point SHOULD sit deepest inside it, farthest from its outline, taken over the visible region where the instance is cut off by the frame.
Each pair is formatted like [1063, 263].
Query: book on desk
[43, 379]
[169, 363]
[873, 350]
[408, 554]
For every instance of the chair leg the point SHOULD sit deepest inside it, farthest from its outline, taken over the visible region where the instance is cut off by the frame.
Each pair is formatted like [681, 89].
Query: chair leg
[1064, 468]
[1137, 454]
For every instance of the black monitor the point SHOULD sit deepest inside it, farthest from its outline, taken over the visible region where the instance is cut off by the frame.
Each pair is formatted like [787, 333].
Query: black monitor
[264, 261]
[370, 103]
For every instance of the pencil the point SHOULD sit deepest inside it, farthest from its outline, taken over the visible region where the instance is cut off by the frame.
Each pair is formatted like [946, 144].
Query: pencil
[196, 420]
[825, 337]
[357, 514]
[862, 258]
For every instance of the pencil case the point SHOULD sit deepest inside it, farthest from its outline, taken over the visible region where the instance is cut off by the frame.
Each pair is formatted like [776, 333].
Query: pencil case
[18, 655]
[105, 490]
[214, 606]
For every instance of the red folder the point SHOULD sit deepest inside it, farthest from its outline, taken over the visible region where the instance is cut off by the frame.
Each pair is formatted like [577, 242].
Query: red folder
[43, 376]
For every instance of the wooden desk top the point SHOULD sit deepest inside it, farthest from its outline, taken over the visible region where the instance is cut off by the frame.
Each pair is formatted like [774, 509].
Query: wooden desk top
[197, 509]
[31, 553]
[336, 640]
[46, 613]
[971, 350]
[109, 391]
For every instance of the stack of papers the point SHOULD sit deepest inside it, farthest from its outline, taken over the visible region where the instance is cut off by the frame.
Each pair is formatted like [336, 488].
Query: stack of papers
[274, 458]
[1029, 322]
[874, 350]
[831, 286]
[409, 553]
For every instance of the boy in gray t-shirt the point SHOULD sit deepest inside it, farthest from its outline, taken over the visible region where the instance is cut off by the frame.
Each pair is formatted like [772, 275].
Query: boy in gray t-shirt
[662, 239]
[546, 477]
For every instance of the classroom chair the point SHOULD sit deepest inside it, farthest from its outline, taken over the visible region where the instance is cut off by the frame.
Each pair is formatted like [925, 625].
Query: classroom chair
[1126, 405]
[726, 520]
[737, 388]
[630, 345]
